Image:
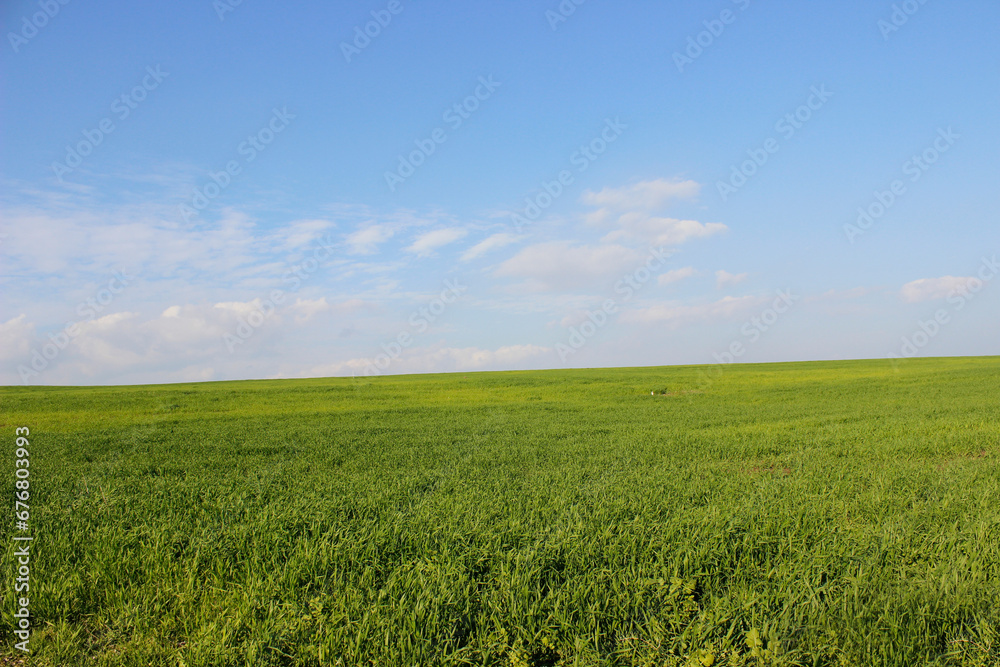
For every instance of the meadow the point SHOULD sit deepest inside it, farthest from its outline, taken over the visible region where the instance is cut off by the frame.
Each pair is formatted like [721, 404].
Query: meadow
[828, 513]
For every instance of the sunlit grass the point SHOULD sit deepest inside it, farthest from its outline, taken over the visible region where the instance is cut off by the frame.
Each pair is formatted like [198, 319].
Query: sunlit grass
[835, 513]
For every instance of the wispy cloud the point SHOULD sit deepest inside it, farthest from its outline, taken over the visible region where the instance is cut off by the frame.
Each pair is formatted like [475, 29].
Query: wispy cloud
[675, 275]
[675, 315]
[929, 289]
[645, 196]
[493, 242]
[366, 240]
[425, 244]
[442, 359]
[563, 265]
[639, 226]
[727, 279]
[636, 212]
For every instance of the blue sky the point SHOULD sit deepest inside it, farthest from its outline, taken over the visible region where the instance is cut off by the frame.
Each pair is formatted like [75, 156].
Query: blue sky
[205, 191]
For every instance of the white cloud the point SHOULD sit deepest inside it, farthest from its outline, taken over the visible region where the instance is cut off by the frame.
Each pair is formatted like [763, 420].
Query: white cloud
[300, 233]
[840, 295]
[675, 275]
[366, 240]
[485, 246]
[573, 319]
[645, 196]
[675, 315]
[125, 344]
[351, 305]
[661, 231]
[114, 342]
[352, 367]
[183, 342]
[469, 358]
[15, 339]
[635, 209]
[439, 360]
[725, 278]
[562, 265]
[928, 289]
[427, 243]
[306, 309]
[83, 241]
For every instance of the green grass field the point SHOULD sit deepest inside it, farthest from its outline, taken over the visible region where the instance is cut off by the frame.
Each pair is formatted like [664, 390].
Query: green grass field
[834, 513]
